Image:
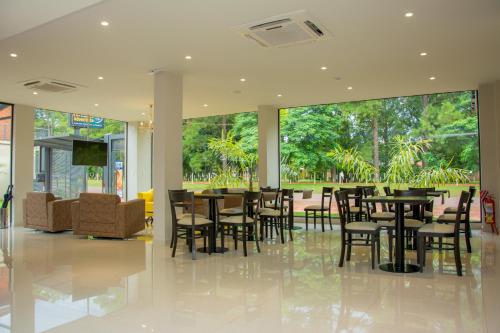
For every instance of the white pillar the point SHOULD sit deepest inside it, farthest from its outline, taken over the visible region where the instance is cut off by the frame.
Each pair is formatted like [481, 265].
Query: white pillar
[489, 131]
[22, 158]
[138, 160]
[269, 152]
[167, 148]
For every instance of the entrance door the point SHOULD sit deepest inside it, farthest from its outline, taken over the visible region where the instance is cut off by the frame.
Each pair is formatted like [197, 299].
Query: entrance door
[5, 149]
[114, 174]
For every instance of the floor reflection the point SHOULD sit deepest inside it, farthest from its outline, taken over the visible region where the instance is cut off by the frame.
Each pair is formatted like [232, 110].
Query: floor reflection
[60, 283]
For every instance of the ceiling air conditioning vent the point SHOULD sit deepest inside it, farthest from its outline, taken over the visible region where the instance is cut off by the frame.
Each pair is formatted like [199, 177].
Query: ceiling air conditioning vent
[50, 85]
[284, 30]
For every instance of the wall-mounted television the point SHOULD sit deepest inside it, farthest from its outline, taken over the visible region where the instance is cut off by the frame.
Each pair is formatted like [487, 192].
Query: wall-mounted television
[90, 153]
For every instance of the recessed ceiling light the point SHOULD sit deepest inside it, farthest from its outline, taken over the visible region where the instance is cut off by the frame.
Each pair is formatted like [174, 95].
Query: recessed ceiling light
[96, 105]
[100, 78]
[35, 93]
[144, 113]
[279, 95]
[409, 14]
[243, 79]
[432, 78]
[349, 88]
[324, 68]
[423, 54]
[188, 57]
[205, 105]
[13, 55]
[104, 23]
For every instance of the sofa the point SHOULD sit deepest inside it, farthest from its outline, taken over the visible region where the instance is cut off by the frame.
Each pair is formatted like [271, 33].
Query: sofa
[43, 211]
[104, 215]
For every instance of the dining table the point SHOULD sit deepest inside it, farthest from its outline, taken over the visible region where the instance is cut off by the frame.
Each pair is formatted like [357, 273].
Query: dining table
[212, 215]
[399, 265]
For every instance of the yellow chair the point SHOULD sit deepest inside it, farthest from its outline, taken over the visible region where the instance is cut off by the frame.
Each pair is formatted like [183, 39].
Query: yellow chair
[148, 196]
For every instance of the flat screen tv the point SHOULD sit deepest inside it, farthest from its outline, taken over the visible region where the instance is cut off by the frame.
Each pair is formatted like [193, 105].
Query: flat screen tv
[90, 153]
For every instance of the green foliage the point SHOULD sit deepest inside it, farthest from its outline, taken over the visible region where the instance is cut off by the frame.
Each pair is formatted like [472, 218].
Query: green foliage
[351, 161]
[404, 154]
[442, 175]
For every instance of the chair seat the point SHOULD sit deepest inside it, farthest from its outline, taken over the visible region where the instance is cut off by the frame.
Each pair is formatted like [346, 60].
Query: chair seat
[268, 212]
[272, 205]
[450, 210]
[236, 220]
[188, 215]
[449, 218]
[383, 215]
[427, 214]
[355, 209]
[412, 223]
[362, 226]
[387, 224]
[437, 228]
[315, 207]
[231, 211]
[186, 221]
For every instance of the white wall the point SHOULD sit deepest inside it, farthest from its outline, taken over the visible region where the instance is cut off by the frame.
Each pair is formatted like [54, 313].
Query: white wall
[489, 131]
[22, 166]
[269, 157]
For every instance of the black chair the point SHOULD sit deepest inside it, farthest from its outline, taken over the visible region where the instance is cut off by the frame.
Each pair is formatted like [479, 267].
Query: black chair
[464, 220]
[453, 210]
[269, 200]
[188, 222]
[326, 205]
[246, 222]
[414, 219]
[427, 214]
[279, 215]
[357, 210]
[442, 230]
[350, 229]
[385, 219]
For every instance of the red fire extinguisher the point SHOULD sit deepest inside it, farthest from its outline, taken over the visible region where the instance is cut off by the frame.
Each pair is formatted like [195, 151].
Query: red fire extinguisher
[488, 203]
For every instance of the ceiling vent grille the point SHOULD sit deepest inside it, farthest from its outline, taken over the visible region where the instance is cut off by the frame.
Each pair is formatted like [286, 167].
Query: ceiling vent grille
[284, 30]
[50, 85]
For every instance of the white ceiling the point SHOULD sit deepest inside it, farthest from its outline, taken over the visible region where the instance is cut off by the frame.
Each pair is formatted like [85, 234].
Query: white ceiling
[374, 48]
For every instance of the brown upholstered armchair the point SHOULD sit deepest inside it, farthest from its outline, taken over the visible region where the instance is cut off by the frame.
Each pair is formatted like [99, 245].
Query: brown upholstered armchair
[103, 215]
[43, 211]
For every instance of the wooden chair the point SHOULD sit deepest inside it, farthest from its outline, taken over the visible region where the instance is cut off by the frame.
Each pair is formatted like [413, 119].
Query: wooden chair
[279, 215]
[357, 210]
[350, 229]
[453, 210]
[188, 222]
[441, 230]
[269, 200]
[326, 205]
[246, 222]
[427, 214]
[414, 219]
[464, 220]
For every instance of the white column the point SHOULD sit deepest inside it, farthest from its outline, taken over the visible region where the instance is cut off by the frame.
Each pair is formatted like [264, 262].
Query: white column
[489, 131]
[132, 160]
[138, 160]
[269, 153]
[22, 158]
[167, 148]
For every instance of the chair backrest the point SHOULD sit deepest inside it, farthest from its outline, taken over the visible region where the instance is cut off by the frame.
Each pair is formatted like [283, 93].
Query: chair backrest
[429, 206]
[269, 195]
[462, 207]
[356, 192]
[371, 207]
[251, 202]
[413, 193]
[472, 191]
[286, 196]
[36, 205]
[342, 199]
[326, 193]
[181, 199]
[387, 190]
[98, 208]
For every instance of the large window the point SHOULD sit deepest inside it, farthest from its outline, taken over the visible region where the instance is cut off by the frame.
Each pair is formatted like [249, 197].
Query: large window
[421, 141]
[54, 172]
[220, 151]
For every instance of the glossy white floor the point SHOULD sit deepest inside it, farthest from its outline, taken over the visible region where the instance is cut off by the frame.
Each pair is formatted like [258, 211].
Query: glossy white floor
[61, 283]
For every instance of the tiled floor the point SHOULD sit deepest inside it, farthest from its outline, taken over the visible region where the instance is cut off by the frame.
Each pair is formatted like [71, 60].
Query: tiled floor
[61, 283]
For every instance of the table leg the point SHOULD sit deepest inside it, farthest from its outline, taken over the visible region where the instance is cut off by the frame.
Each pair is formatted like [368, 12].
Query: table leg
[212, 215]
[399, 265]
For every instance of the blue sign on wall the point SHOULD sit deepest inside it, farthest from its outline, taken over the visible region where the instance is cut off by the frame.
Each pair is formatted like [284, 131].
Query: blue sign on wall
[85, 121]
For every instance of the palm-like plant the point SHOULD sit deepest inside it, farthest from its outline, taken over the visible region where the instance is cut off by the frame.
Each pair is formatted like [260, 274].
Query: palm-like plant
[404, 154]
[444, 174]
[351, 161]
[238, 159]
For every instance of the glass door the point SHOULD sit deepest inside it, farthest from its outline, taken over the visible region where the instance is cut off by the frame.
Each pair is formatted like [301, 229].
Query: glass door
[115, 171]
[5, 149]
